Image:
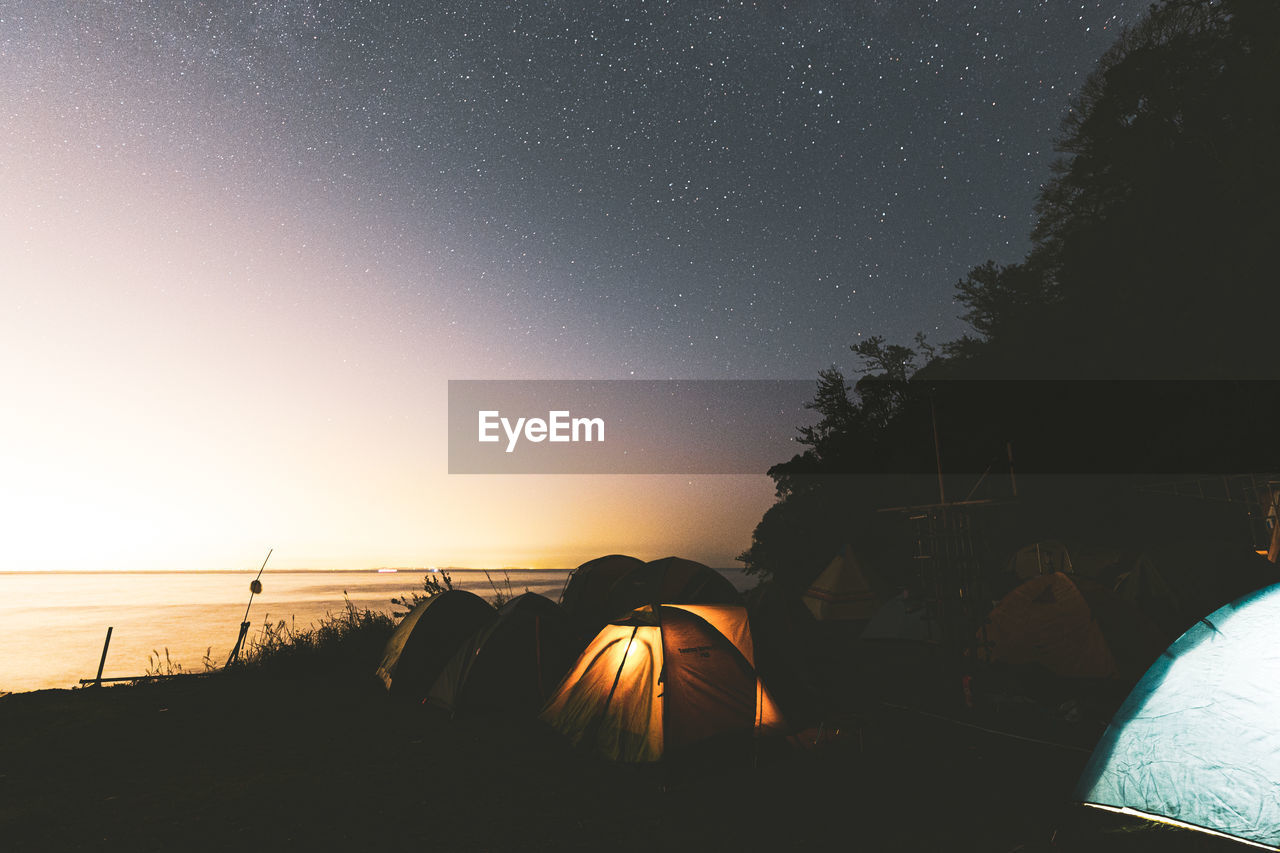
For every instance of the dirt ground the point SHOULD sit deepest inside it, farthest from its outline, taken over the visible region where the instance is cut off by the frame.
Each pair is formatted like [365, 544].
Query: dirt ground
[238, 761]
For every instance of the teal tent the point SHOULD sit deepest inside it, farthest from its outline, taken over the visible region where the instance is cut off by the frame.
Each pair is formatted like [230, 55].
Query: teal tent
[1197, 743]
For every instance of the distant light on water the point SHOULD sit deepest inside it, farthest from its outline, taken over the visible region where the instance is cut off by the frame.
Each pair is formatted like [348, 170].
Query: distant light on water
[390, 571]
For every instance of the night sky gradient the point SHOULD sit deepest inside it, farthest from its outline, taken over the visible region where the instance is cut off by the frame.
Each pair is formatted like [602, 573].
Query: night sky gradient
[307, 216]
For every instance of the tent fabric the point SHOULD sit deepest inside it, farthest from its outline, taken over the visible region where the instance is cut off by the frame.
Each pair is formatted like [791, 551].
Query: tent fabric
[788, 649]
[1097, 561]
[665, 677]
[842, 592]
[586, 594]
[611, 699]
[1198, 739]
[671, 580]
[1041, 558]
[511, 664]
[1072, 627]
[903, 619]
[427, 637]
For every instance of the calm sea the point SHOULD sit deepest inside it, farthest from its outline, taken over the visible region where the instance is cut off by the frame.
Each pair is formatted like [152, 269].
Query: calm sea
[52, 625]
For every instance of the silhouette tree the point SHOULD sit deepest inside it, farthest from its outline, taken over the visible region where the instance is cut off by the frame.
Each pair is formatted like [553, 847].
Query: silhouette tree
[1150, 253]
[1151, 258]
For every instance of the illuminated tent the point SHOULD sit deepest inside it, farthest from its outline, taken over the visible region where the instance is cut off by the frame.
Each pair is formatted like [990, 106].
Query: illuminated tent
[1072, 627]
[1198, 740]
[663, 678]
[427, 637]
[842, 592]
[586, 594]
[511, 664]
[671, 580]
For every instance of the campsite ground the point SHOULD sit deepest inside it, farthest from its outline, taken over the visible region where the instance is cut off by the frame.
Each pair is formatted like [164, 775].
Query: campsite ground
[239, 761]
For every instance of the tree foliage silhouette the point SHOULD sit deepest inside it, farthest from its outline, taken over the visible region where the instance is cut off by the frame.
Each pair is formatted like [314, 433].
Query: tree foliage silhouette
[1152, 257]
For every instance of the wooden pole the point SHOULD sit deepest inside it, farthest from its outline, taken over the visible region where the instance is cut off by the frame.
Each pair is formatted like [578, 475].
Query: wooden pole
[103, 661]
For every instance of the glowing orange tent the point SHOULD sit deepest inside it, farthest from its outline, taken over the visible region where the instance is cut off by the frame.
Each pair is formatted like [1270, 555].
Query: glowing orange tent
[662, 678]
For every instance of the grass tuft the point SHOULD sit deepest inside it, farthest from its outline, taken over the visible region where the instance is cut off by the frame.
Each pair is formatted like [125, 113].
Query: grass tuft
[345, 644]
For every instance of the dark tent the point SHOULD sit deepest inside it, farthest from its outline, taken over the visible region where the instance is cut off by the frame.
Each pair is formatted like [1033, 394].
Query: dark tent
[789, 649]
[586, 595]
[903, 619]
[663, 678]
[511, 664]
[1178, 583]
[1072, 627]
[671, 580]
[427, 637]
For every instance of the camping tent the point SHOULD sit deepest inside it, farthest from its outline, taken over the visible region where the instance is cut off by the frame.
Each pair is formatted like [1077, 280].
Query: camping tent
[1097, 561]
[1198, 740]
[789, 649]
[427, 637]
[1040, 558]
[842, 592]
[1176, 583]
[512, 663]
[1072, 627]
[671, 580]
[586, 594]
[903, 618]
[662, 678]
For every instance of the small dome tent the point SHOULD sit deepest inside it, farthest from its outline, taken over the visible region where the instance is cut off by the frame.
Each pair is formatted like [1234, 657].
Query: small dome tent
[903, 619]
[789, 649]
[1197, 742]
[427, 637]
[842, 592]
[665, 677]
[511, 664]
[1072, 627]
[1041, 558]
[671, 580]
[1176, 583]
[586, 594]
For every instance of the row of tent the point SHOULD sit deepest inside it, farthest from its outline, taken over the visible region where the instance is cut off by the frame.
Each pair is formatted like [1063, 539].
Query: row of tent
[1100, 618]
[666, 672]
[1075, 611]
[1196, 743]
[470, 657]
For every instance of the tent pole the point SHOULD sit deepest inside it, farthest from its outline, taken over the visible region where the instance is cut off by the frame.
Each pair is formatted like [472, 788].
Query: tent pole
[617, 676]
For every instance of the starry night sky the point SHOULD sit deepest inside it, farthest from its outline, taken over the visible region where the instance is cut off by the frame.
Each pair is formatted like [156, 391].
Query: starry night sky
[504, 190]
